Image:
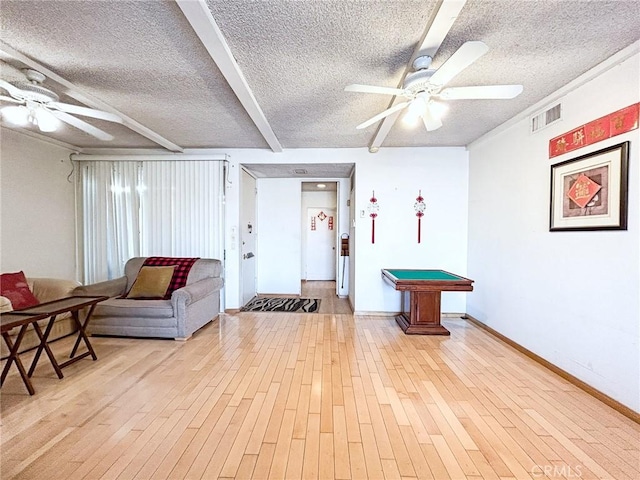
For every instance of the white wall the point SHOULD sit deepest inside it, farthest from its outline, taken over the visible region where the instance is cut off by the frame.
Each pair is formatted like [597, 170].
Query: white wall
[37, 208]
[396, 174]
[570, 297]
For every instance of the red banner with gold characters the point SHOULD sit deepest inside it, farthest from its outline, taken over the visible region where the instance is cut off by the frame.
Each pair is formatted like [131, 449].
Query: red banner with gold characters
[615, 123]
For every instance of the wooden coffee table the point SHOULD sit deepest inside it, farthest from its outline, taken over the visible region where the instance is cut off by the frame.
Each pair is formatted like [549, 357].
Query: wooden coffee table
[31, 316]
[9, 321]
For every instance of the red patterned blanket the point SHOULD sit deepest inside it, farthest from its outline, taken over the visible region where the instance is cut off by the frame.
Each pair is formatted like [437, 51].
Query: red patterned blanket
[180, 274]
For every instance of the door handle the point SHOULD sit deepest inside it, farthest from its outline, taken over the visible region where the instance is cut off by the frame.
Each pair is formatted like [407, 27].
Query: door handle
[248, 255]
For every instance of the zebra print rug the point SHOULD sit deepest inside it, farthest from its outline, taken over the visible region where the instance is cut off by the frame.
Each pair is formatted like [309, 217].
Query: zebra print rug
[282, 304]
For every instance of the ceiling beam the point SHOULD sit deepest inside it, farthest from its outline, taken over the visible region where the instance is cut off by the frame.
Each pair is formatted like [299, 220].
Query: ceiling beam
[199, 16]
[87, 99]
[434, 34]
[142, 156]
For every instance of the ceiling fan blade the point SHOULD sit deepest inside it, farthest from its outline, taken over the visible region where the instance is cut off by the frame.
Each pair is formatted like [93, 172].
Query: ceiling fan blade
[4, 98]
[82, 125]
[486, 92]
[371, 89]
[431, 121]
[381, 115]
[13, 91]
[84, 111]
[468, 53]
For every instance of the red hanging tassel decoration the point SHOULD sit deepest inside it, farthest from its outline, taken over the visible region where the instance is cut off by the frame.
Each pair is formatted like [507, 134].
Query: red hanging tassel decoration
[419, 207]
[373, 213]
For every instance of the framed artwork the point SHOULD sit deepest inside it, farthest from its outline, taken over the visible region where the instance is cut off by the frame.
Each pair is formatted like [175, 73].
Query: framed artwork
[590, 192]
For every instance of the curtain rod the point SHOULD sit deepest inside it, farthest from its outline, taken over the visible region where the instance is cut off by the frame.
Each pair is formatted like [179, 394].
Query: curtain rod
[150, 157]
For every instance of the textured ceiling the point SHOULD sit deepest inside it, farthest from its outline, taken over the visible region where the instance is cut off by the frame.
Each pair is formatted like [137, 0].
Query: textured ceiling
[306, 170]
[319, 187]
[144, 59]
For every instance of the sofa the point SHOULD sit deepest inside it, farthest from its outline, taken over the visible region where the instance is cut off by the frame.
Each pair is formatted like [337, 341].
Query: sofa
[45, 290]
[177, 315]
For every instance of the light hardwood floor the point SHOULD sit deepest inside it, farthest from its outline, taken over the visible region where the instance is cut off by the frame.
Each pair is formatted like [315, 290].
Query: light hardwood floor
[326, 292]
[265, 395]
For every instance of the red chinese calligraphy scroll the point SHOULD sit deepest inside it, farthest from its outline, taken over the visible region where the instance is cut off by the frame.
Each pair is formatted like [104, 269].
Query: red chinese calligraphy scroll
[330, 223]
[616, 123]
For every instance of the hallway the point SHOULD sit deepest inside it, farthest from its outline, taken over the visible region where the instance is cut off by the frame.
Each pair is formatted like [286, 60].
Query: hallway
[326, 292]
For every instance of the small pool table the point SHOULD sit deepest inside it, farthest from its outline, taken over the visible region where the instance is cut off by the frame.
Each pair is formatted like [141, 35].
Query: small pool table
[421, 307]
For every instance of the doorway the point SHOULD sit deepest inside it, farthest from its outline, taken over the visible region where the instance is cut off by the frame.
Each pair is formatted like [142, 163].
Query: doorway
[326, 291]
[320, 244]
[319, 230]
[248, 237]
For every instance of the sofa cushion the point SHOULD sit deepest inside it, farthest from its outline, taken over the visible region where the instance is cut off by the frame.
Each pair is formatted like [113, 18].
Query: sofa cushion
[180, 274]
[204, 268]
[134, 326]
[151, 283]
[47, 289]
[14, 286]
[124, 307]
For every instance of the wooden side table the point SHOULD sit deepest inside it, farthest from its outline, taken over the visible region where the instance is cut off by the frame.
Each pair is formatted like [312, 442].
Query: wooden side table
[421, 292]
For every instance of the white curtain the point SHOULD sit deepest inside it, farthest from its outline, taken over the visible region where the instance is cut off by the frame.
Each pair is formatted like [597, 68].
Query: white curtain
[164, 208]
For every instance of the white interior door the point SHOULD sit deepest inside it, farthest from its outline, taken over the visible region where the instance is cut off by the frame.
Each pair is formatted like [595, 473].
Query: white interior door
[248, 236]
[321, 244]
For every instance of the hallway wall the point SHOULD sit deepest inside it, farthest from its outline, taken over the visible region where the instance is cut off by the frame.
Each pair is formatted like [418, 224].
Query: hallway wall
[396, 174]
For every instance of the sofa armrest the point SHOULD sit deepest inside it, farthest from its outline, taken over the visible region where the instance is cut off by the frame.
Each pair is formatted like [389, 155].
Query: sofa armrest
[197, 290]
[48, 289]
[109, 288]
[5, 305]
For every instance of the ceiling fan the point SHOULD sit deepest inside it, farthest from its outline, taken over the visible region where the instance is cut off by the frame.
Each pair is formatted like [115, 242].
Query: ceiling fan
[425, 89]
[40, 106]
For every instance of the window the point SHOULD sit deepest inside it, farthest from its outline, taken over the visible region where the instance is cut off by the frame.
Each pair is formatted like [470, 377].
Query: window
[165, 208]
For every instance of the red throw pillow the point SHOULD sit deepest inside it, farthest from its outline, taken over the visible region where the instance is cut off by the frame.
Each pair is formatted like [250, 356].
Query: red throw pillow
[14, 286]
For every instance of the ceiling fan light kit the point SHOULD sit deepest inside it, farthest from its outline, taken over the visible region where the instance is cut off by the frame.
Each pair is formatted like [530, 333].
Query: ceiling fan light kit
[425, 92]
[40, 106]
[45, 120]
[17, 115]
[31, 113]
[416, 110]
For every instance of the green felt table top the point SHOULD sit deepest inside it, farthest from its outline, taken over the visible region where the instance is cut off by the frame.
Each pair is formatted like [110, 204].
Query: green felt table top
[401, 274]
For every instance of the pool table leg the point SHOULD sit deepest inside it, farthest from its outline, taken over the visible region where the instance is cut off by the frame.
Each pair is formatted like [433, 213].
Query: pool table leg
[421, 314]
